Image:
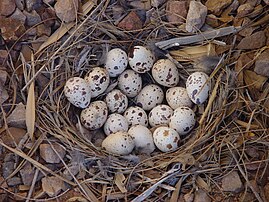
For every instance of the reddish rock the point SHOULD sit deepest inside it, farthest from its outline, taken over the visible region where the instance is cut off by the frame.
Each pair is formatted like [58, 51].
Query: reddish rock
[11, 29]
[7, 7]
[49, 155]
[131, 22]
[66, 10]
[176, 11]
[17, 118]
[262, 64]
[232, 182]
[216, 6]
[18, 15]
[48, 16]
[3, 56]
[244, 9]
[254, 41]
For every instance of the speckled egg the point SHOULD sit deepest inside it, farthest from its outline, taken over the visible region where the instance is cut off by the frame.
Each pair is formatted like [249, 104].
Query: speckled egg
[198, 86]
[141, 59]
[98, 79]
[165, 73]
[160, 115]
[95, 115]
[182, 120]
[150, 96]
[116, 101]
[178, 97]
[130, 83]
[166, 139]
[115, 123]
[116, 62]
[136, 115]
[78, 92]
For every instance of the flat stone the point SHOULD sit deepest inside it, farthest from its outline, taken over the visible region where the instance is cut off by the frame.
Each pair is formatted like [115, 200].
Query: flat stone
[7, 7]
[27, 174]
[201, 196]
[66, 10]
[48, 15]
[32, 18]
[48, 154]
[18, 15]
[11, 29]
[14, 136]
[20, 4]
[176, 11]
[232, 182]
[7, 168]
[14, 181]
[17, 117]
[43, 30]
[3, 93]
[262, 64]
[52, 185]
[196, 16]
[131, 22]
[31, 4]
[216, 6]
[254, 41]
[244, 9]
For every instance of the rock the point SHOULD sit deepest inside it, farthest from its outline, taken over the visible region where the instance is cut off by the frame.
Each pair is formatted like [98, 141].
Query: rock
[20, 4]
[74, 169]
[27, 174]
[7, 168]
[18, 15]
[48, 1]
[14, 181]
[3, 56]
[196, 16]
[157, 3]
[14, 136]
[32, 4]
[142, 5]
[66, 10]
[266, 2]
[48, 154]
[262, 64]
[32, 18]
[216, 6]
[17, 117]
[7, 7]
[52, 185]
[244, 9]
[131, 22]
[188, 197]
[11, 29]
[176, 11]
[43, 30]
[254, 41]
[48, 15]
[232, 182]
[3, 93]
[266, 191]
[201, 196]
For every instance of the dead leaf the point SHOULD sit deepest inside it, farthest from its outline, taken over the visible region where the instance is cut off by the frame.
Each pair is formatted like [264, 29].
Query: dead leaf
[30, 111]
[119, 181]
[253, 80]
[202, 184]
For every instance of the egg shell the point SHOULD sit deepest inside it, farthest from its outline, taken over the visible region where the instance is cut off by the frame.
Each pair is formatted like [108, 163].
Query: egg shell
[150, 96]
[78, 92]
[130, 83]
[166, 139]
[143, 139]
[182, 120]
[120, 143]
[178, 97]
[115, 123]
[136, 115]
[94, 116]
[165, 73]
[141, 59]
[98, 79]
[160, 115]
[198, 87]
[116, 62]
[116, 101]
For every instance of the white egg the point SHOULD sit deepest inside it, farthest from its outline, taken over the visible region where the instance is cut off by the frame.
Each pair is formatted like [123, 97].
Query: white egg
[116, 101]
[150, 96]
[116, 62]
[98, 79]
[136, 115]
[143, 139]
[166, 139]
[160, 115]
[198, 86]
[120, 143]
[165, 73]
[95, 115]
[141, 59]
[115, 123]
[178, 97]
[78, 92]
[130, 83]
[182, 120]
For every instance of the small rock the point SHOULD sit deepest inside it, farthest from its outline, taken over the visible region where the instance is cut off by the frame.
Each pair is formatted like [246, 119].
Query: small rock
[244, 9]
[266, 2]
[157, 3]
[52, 185]
[74, 169]
[17, 117]
[254, 41]
[7, 7]
[48, 1]
[3, 93]
[48, 154]
[20, 4]
[131, 22]
[188, 197]
[11, 29]
[32, 18]
[43, 30]
[14, 136]
[7, 168]
[216, 6]
[262, 64]
[48, 15]
[14, 181]
[176, 11]
[32, 4]
[18, 15]
[27, 174]
[266, 191]
[196, 16]
[201, 196]
[66, 10]
[212, 20]
[3, 56]
[232, 182]
[142, 5]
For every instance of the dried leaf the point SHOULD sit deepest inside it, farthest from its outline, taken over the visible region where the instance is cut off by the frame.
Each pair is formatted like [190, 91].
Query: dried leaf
[254, 80]
[30, 111]
[202, 184]
[119, 181]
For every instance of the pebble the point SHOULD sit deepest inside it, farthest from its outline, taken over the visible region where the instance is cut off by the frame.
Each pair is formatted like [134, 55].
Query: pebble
[66, 10]
[3, 93]
[32, 18]
[7, 7]
[3, 56]
[131, 22]
[157, 3]
[14, 181]
[11, 29]
[176, 11]
[232, 182]
[216, 6]
[262, 64]
[32, 4]
[254, 41]
[18, 15]
[201, 196]
[27, 174]
[17, 117]
[196, 16]
[244, 9]
[20, 4]
[52, 185]
[48, 154]
[7, 168]
[43, 30]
